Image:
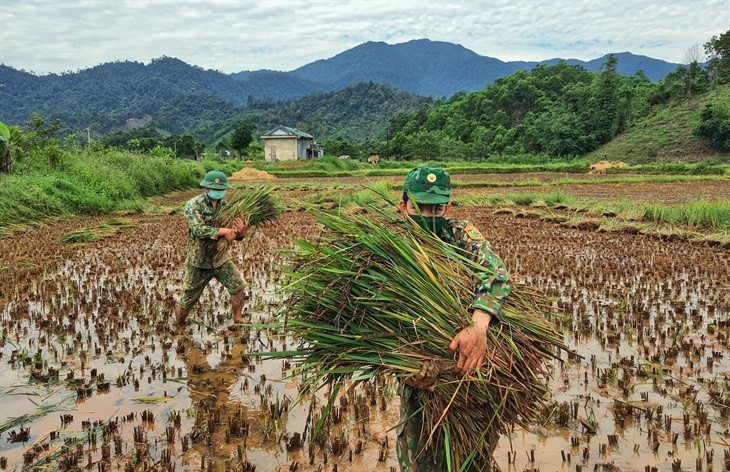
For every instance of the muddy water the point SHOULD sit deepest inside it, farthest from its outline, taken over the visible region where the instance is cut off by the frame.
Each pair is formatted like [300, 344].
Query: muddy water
[87, 332]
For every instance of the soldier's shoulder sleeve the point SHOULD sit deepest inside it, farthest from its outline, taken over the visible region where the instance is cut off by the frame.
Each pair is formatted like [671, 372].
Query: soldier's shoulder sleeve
[473, 233]
[465, 232]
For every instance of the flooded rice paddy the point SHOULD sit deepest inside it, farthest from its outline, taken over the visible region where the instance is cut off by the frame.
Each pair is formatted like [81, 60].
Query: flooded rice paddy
[95, 377]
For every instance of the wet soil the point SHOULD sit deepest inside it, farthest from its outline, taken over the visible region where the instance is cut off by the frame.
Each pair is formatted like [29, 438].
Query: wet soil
[90, 355]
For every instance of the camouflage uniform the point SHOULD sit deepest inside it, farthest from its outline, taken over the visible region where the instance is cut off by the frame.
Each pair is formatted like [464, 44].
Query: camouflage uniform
[489, 290]
[203, 262]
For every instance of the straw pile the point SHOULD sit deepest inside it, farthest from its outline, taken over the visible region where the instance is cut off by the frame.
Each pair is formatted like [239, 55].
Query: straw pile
[377, 295]
[250, 173]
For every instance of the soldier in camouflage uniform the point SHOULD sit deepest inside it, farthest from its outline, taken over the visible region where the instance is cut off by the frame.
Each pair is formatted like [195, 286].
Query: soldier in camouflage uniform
[426, 197]
[204, 262]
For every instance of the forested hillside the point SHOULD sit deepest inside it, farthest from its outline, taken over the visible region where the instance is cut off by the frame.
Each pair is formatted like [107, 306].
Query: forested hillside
[669, 134]
[356, 113]
[167, 93]
[560, 110]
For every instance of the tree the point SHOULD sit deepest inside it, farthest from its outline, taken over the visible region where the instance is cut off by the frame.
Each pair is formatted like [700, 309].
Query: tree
[693, 54]
[718, 52]
[242, 137]
[715, 126]
[605, 102]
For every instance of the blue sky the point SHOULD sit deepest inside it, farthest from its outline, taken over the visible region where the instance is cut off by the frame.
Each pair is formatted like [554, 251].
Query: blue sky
[233, 35]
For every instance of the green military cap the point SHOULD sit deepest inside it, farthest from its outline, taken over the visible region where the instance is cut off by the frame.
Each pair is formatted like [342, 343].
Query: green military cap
[216, 180]
[429, 185]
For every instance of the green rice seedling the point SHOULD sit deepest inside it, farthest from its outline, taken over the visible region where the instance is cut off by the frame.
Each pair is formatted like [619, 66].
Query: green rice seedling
[254, 207]
[524, 199]
[81, 236]
[376, 295]
[95, 233]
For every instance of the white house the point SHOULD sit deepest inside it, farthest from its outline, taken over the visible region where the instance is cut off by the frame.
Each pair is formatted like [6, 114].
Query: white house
[287, 144]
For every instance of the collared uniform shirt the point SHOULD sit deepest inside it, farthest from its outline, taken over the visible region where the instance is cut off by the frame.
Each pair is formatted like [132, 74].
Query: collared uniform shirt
[203, 237]
[491, 287]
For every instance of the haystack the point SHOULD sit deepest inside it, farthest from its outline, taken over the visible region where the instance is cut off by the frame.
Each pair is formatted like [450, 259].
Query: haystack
[249, 173]
[601, 166]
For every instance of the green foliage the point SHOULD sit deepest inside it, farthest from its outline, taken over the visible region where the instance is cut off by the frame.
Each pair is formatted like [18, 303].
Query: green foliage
[702, 215]
[705, 167]
[148, 139]
[6, 159]
[94, 181]
[357, 113]
[241, 138]
[718, 52]
[162, 151]
[682, 83]
[560, 110]
[695, 215]
[715, 126]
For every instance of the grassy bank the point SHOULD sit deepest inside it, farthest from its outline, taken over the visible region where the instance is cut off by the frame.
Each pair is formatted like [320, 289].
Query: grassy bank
[712, 216]
[333, 167]
[93, 183]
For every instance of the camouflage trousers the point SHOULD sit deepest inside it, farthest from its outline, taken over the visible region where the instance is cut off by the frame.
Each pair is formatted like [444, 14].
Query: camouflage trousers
[196, 279]
[411, 436]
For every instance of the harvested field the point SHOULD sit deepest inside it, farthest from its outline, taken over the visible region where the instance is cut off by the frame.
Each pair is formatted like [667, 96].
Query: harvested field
[94, 376]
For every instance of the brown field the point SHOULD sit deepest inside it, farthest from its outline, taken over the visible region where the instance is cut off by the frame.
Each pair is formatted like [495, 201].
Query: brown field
[88, 352]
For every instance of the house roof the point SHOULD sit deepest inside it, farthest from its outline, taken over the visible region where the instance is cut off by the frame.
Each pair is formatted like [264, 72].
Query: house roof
[283, 131]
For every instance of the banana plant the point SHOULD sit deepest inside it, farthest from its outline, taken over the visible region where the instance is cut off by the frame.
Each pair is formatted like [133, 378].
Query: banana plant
[8, 137]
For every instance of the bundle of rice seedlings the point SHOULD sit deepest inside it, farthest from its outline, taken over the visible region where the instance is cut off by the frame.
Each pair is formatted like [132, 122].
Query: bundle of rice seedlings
[254, 207]
[377, 295]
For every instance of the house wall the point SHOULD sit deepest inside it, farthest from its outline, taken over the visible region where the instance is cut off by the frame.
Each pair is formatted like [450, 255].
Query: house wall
[286, 148]
[302, 145]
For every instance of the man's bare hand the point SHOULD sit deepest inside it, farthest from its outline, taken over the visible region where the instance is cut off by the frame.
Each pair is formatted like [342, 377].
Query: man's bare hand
[239, 226]
[471, 343]
[228, 233]
[425, 378]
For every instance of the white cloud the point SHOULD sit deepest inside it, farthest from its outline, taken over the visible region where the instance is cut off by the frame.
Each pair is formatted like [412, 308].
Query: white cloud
[232, 35]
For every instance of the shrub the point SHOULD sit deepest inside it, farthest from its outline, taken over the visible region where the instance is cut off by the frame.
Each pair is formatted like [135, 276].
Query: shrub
[715, 126]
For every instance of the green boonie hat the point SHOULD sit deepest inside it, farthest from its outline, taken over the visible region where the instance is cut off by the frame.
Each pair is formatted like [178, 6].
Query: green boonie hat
[429, 185]
[216, 180]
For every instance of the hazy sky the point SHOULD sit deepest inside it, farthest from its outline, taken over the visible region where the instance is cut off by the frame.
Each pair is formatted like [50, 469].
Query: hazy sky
[234, 35]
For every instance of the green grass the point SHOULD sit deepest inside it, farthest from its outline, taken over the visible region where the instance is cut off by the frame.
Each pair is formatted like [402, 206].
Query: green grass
[327, 167]
[634, 179]
[95, 183]
[333, 167]
[714, 216]
[706, 167]
[95, 233]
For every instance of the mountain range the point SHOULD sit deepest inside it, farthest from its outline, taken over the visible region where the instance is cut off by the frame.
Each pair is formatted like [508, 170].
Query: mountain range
[178, 97]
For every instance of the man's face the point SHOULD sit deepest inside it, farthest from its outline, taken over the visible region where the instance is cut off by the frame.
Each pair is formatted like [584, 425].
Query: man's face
[216, 194]
[427, 210]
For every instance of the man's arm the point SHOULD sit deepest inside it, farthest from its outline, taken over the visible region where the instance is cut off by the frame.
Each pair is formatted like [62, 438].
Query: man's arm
[201, 230]
[489, 291]
[493, 285]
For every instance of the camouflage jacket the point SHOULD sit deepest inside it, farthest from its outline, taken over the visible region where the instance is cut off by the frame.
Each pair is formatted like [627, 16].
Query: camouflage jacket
[493, 286]
[202, 236]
